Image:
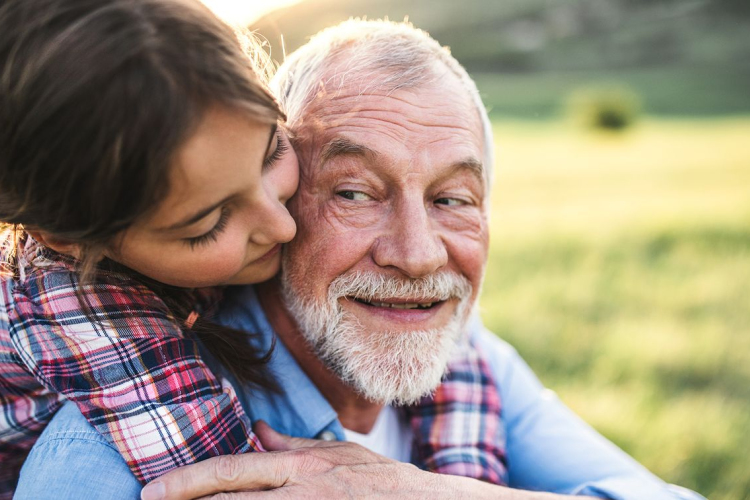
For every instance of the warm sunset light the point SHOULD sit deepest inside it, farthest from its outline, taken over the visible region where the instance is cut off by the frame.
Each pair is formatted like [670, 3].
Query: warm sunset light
[245, 12]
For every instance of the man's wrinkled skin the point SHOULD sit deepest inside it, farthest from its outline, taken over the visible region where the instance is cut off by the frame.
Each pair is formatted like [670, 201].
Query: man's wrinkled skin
[392, 184]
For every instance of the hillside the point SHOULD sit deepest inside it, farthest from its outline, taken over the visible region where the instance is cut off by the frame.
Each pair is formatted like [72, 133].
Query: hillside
[684, 58]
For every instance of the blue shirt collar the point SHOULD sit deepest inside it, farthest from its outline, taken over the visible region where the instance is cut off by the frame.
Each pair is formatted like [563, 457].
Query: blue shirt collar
[300, 409]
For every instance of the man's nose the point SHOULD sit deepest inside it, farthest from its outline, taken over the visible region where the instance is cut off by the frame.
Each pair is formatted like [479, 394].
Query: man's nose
[411, 243]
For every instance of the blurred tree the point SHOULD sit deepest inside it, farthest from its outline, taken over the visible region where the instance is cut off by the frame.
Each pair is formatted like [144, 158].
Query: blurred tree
[612, 107]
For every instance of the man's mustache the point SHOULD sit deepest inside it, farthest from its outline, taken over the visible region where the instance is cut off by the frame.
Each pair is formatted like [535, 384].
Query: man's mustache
[372, 286]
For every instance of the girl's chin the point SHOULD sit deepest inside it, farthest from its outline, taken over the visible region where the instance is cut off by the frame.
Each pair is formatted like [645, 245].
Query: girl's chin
[257, 271]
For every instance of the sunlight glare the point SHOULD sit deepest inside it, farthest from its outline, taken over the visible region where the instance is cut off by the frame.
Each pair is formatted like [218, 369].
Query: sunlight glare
[244, 12]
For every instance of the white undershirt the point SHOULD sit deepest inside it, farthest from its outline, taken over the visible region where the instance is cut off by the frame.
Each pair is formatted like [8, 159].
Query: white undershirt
[390, 436]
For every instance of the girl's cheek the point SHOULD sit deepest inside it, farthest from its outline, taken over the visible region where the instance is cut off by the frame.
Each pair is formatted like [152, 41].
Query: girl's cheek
[286, 180]
[229, 257]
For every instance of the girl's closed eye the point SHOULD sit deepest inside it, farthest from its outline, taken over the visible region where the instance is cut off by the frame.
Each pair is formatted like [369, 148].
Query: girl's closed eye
[213, 234]
[282, 146]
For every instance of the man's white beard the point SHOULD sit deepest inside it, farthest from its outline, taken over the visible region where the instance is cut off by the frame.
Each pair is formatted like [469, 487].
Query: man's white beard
[386, 367]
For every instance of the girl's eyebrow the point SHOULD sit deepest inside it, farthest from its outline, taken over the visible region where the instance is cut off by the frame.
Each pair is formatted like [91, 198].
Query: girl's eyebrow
[196, 217]
[206, 211]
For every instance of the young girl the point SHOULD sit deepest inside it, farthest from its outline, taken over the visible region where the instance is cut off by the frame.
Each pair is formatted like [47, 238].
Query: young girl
[140, 162]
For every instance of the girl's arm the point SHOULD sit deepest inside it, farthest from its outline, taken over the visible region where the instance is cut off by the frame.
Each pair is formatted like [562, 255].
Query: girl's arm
[130, 370]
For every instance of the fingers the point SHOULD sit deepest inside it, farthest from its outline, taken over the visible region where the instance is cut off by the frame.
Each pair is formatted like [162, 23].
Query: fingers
[242, 495]
[258, 472]
[269, 438]
[277, 494]
[275, 441]
[332, 452]
[251, 471]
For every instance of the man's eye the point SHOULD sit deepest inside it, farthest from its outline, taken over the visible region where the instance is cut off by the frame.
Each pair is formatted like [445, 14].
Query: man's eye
[451, 202]
[354, 195]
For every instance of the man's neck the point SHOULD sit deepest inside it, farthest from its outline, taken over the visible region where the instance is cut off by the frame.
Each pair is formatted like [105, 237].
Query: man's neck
[355, 413]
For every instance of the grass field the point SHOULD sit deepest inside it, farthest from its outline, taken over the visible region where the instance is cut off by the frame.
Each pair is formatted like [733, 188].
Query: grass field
[620, 270]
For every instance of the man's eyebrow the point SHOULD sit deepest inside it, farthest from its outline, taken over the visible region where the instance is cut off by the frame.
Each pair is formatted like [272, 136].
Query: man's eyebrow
[475, 166]
[342, 146]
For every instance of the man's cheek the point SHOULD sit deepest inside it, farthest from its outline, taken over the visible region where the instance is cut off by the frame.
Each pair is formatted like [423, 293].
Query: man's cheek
[307, 215]
[469, 257]
[351, 220]
[295, 204]
[469, 224]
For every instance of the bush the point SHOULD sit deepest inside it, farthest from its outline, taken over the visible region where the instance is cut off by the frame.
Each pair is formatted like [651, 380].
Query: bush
[613, 108]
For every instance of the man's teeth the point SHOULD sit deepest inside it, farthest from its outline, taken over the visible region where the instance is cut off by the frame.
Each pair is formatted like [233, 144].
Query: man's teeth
[407, 305]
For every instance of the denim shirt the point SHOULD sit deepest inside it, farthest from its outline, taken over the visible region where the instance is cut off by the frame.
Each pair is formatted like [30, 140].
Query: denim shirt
[548, 447]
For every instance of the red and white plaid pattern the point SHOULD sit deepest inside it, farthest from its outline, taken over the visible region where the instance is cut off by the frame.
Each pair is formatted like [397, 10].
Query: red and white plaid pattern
[458, 430]
[128, 366]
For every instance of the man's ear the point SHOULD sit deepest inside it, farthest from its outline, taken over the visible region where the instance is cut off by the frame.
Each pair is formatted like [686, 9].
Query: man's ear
[59, 245]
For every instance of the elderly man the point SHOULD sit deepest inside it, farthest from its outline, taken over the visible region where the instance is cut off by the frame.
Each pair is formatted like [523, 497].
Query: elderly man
[375, 301]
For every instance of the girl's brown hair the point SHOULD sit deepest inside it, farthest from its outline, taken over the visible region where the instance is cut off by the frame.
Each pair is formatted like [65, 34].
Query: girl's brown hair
[96, 96]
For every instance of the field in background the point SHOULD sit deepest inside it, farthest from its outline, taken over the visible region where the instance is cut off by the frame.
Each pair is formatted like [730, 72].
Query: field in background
[620, 270]
[666, 91]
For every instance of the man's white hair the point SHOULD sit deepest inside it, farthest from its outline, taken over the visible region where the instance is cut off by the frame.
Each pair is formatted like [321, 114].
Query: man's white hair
[381, 55]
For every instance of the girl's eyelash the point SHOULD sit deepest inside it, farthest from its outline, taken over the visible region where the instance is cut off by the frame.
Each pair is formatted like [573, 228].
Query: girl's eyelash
[281, 148]
[212, 235]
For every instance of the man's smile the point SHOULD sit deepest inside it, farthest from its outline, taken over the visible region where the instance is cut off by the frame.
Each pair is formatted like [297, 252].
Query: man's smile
[387, 314]
[397, 303]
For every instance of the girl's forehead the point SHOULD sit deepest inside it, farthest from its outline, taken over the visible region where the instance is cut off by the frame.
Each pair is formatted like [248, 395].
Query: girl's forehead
[222, 158]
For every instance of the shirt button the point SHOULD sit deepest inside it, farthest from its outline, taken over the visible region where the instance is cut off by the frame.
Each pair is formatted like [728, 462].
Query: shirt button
[327, 436]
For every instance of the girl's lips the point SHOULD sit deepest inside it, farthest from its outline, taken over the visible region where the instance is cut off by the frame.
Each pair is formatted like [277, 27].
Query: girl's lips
[268, 255]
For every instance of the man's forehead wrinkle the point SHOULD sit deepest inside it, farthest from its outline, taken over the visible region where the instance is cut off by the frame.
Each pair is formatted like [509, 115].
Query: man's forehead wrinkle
[394, 110]
[366, 117]
[425, 118]
[338, 144]
[409, 95]
[387, 100]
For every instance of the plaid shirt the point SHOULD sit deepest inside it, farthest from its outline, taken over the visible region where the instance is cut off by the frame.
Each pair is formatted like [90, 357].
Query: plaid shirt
[128, 366]
[142, 384]
[458, 430]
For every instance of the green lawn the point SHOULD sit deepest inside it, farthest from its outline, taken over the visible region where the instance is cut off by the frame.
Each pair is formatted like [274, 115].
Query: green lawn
[620, 270]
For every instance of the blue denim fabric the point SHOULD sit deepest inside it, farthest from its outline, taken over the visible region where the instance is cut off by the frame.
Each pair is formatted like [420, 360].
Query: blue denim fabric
[72, 460]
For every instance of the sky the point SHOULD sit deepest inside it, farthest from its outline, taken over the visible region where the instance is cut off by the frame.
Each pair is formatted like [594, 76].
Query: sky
[245, 12]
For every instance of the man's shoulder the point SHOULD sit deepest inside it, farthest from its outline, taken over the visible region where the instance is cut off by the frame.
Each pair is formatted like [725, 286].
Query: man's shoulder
[491, 344]
[517, 384]
[499, 354]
